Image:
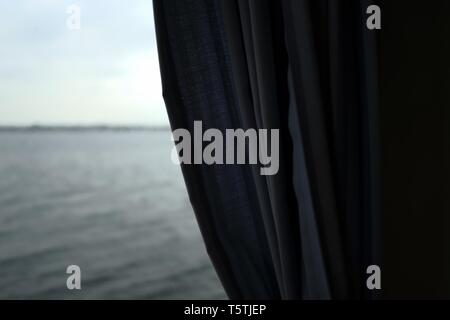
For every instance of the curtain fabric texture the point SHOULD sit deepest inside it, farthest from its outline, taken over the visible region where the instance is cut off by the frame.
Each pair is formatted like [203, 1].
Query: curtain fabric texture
[305, 67]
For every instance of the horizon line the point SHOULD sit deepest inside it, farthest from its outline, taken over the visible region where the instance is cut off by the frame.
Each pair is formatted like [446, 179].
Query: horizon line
[43, 127]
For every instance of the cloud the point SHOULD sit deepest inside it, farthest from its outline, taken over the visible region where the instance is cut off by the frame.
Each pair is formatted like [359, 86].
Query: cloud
[106, 72]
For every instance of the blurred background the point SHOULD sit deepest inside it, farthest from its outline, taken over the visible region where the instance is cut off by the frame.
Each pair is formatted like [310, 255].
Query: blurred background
[85, 170]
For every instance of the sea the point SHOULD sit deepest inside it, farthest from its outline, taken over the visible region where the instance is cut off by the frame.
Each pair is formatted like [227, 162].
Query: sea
[108, 201]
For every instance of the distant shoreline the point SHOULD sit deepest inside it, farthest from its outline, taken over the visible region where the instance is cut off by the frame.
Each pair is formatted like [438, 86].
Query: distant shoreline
[81, 128]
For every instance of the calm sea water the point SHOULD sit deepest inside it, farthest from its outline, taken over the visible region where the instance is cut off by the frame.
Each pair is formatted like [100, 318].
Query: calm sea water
[110, 202]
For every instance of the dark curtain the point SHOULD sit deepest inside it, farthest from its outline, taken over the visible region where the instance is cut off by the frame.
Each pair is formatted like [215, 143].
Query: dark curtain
[308, 68]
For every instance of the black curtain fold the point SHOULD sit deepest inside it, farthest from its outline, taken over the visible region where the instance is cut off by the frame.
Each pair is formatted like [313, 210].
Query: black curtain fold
[309, 69]
[197, 86]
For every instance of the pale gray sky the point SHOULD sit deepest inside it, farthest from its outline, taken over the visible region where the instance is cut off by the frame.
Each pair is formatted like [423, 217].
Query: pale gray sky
[105, 73]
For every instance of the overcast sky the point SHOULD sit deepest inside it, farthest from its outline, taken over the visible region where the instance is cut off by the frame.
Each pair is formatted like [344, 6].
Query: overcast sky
[106, 72]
